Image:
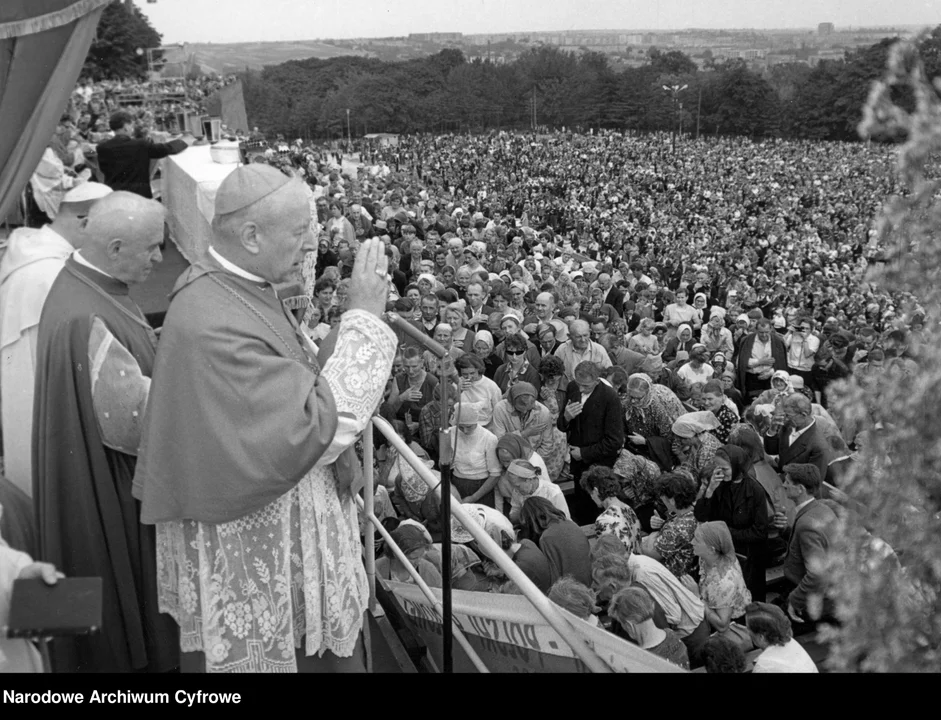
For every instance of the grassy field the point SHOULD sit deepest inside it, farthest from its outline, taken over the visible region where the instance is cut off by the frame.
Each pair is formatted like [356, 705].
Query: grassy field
[236, 56]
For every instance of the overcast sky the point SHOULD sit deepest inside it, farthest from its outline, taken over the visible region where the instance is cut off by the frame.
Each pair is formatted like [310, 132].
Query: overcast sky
[267, 20]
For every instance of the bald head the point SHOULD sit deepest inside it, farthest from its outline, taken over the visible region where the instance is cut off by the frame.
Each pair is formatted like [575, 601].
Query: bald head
[123, 235]
[580, 334]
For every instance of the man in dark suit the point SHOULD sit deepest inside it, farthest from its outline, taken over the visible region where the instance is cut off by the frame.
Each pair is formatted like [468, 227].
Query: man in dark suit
[476, 312]
[593, 421]
[762, 353]
[799, 440]
[125, 160]
[611, 294]
[808, 543]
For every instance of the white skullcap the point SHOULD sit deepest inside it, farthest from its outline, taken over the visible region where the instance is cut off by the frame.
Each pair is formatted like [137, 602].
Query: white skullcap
[87, 192]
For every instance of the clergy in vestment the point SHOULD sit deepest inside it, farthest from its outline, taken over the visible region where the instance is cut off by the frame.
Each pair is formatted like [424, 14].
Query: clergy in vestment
[93, 367]
[30, 265]
[246, 464]
[18, 655]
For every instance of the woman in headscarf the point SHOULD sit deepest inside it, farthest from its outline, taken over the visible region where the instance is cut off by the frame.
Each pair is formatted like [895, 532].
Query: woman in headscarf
[520, 413]
[733, 496]
[638, 477]
[564, 544]
[483, 348]
[721, 583]
[512, 447]
[650, 411]
[682, 341]
[523, 480]
[695, 444]
[748, 439]
[416, 546]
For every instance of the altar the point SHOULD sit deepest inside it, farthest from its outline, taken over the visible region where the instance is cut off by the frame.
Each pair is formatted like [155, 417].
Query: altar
[190, 181]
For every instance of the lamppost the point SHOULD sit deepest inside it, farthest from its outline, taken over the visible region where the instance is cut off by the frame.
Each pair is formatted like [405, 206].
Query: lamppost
[349, 134]
[675, 91]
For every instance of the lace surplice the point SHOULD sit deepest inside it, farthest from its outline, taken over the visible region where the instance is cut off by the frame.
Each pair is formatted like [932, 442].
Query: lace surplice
[248, 592]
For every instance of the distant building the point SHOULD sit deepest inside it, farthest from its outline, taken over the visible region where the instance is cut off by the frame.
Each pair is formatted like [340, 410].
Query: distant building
[825, 28]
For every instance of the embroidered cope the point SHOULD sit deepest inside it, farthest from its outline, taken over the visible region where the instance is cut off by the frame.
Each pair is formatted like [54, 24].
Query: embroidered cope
[250, 591]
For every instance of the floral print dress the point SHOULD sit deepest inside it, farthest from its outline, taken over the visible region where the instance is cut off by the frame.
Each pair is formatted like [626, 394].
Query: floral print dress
[723, 586]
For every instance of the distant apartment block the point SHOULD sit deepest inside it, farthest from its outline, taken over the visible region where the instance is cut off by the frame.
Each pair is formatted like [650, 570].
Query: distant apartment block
[436, 37]
[825, 28]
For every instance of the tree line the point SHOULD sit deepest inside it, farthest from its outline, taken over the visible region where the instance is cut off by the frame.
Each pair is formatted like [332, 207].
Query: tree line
[444, 92]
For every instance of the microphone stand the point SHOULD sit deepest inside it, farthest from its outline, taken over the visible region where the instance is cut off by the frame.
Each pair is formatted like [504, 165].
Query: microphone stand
[399, 323]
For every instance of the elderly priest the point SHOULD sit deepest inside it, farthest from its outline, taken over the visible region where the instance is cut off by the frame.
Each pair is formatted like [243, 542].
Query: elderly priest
[246, 464]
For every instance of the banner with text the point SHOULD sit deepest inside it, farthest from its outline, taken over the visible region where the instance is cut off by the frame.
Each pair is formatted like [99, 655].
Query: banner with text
[510, 635]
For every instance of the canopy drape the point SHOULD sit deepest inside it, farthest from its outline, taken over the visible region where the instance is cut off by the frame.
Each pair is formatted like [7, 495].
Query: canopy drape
[43, 45]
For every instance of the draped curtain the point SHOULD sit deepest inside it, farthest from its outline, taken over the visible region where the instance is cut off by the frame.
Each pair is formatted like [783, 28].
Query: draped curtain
[43, 45]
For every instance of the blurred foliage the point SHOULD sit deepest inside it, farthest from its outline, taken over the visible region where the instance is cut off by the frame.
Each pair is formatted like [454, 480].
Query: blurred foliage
[444, 92]
[122, 30]
[889, 605]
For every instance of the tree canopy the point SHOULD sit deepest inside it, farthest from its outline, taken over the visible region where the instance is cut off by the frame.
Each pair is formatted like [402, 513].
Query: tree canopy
[122, 30]
[310, 98]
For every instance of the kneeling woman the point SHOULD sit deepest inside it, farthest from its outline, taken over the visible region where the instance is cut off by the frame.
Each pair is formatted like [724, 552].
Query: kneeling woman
[564, 544]
[721, 584]
[618, 518]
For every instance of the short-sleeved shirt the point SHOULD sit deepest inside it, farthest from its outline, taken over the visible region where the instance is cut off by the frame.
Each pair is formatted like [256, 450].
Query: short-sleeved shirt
[620, 520]
[723, 586]
[476, 455]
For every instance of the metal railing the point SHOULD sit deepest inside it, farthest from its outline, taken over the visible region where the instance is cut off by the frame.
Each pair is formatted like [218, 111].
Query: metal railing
[539, 600]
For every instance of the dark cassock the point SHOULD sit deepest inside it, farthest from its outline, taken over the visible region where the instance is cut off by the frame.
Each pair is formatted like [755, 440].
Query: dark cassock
[94, 359]
[248, 472]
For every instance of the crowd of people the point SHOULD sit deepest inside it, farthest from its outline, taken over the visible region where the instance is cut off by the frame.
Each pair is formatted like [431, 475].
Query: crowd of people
[660, 330]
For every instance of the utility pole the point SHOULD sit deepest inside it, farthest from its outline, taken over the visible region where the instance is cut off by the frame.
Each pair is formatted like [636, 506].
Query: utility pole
[349, 134]
[698, 112]
[534, 109]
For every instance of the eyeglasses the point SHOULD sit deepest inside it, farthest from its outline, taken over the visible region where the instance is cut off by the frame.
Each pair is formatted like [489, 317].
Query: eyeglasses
[514, 352]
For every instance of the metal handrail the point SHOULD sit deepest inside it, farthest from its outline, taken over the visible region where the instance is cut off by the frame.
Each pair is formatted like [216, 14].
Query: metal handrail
[422, 585]
[542, 603]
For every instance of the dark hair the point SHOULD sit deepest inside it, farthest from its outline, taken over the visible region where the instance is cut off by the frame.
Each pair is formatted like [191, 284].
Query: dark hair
[722, 655]
[769, 621]
[323, 283]
[119, 119]
[403, 305]
[537, 514]
[551, 366]
[514, 342]
[617, 376]
[804, 474]
[447, 295]
[677, 487]
[411, 352]
[602, 479]
[469, 361]
[587, 369]
[749, 440]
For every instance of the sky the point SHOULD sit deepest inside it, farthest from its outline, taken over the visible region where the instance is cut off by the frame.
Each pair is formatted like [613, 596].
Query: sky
[226, 21]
